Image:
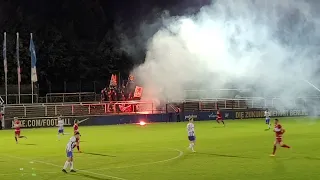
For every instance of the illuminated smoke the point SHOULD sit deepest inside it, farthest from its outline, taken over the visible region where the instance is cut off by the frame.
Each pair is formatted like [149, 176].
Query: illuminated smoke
[269, 46]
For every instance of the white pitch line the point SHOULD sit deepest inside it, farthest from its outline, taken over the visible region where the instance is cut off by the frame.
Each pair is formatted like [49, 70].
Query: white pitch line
[149, 163]
[24, 172]
[50, 164]
[90, 172]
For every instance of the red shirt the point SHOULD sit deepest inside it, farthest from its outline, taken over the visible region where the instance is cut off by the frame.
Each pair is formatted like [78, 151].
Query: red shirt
[218, 113]
[75, 127]
[278, 130]
[17, 126]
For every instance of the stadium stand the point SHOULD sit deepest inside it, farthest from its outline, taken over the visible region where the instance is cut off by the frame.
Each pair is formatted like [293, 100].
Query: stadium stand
[78, 109]
[71, 97]
[103, 108]
[244, 103]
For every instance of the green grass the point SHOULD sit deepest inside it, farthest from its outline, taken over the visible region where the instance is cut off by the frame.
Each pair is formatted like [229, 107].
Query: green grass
[130, 152]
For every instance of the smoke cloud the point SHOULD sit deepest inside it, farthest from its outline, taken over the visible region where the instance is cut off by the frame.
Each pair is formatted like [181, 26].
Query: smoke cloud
[268, 46]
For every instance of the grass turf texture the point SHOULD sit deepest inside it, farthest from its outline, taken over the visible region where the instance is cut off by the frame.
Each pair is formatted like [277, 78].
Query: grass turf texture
[130, 152]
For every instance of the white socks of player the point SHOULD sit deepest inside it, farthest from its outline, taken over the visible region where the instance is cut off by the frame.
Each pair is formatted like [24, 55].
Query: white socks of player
[269, 125]
[66, 164]
[191, 146]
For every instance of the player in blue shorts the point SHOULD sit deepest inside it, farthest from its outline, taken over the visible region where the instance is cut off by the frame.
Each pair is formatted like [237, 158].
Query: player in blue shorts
[191, 134]
[69, 150]
[267, 115]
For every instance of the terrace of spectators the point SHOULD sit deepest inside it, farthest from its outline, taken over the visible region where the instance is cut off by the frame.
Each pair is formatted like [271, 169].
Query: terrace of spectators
[59, 104]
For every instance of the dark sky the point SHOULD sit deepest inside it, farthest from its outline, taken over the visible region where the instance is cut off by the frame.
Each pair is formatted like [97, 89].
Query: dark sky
[79, 39]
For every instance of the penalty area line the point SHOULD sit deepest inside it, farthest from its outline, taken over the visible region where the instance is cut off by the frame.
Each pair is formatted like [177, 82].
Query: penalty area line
[80, 170]
[148, 163]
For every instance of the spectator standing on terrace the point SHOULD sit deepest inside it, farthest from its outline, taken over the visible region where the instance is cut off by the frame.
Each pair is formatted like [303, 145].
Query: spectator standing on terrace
[121, 96]
[178, 111]
[170, 117]
[103, 94]
[109, 95]
[130, 96]
[114, 94]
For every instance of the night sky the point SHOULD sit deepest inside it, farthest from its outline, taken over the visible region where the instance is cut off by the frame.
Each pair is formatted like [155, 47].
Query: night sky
[80, 40]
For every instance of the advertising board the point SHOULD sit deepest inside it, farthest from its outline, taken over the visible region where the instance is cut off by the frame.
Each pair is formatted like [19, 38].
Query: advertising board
[88, 120]
[247, 114]
[244, 114]
[135, 118]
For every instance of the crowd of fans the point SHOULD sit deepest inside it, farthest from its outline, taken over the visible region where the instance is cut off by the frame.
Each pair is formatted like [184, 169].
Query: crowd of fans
[116, 94]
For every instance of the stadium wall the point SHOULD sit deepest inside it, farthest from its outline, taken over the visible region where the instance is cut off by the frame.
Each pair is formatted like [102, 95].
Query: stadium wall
[88, 120]
[166, 117]
[244, 114]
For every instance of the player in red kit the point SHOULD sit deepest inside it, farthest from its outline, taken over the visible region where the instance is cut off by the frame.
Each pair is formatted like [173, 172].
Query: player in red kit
[219, 117]
[17, 130]
[76, 130]
[279, 131]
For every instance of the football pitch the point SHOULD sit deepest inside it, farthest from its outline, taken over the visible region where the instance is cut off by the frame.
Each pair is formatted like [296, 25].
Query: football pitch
[239, 151]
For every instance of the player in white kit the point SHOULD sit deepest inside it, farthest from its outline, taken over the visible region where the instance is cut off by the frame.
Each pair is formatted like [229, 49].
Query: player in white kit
[267, 115]
[69, 150]
[60, 127]
[191, 134]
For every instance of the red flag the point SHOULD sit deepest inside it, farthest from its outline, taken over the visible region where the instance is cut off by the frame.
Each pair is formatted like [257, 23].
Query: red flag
[125, 108]
[138, 92]
[113, 80]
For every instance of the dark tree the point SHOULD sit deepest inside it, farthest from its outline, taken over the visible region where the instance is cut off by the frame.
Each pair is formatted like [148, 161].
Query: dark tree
[77, 39]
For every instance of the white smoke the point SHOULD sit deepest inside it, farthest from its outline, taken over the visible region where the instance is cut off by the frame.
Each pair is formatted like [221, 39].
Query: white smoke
[271, 45]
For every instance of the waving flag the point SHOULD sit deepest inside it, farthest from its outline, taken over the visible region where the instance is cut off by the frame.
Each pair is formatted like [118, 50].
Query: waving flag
[5, 64]
[113, 81]
[18, 60]
[34, 77]
[18, 67]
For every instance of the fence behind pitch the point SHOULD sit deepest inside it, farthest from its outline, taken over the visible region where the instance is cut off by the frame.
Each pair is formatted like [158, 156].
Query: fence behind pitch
[78, 109]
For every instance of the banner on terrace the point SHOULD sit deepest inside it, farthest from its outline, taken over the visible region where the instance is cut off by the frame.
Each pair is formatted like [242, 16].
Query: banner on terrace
[246, 114]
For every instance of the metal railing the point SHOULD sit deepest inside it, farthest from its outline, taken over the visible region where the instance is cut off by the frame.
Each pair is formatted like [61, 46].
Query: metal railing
[213, 93]
[79, 109]
[71, 97]
[228, 103]
[1, 101]
[249, 102]
[14, 98]
[51, 98]
[104, 108]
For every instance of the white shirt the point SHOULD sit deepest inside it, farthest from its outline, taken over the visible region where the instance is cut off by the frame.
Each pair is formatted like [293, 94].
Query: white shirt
[60, 123]
[267, 114]
[190, 129]
[71, 144]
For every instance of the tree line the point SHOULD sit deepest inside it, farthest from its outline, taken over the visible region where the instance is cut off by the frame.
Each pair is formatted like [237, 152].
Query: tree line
[77, 40]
